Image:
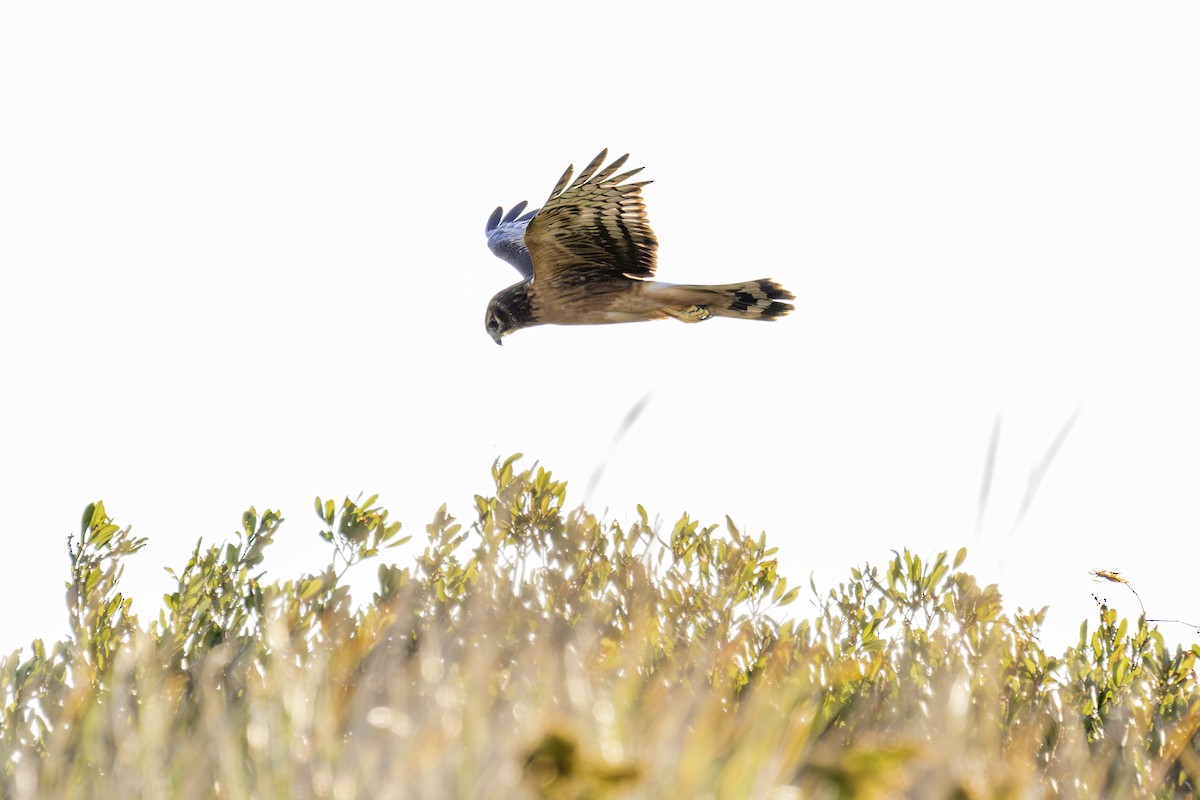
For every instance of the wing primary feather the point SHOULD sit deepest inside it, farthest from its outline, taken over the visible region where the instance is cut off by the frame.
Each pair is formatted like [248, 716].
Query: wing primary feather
[593, 228]
[515, 211]
[530, 215]
[592, 166]
[494, 219]
[562, 182]
[624, 176]
[610, 169]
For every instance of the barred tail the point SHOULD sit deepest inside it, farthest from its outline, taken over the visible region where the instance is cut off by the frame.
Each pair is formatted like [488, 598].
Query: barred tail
[763, 299]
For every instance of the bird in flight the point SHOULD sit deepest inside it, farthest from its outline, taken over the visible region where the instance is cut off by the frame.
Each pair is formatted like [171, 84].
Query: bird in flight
[587, 257]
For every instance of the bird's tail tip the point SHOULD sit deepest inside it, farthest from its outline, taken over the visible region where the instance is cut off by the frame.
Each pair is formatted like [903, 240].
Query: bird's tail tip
[761, 299]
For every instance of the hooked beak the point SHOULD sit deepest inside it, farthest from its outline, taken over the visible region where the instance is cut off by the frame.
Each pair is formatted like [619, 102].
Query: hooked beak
[497, 338]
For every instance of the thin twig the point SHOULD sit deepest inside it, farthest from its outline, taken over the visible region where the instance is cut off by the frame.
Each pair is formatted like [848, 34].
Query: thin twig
[1115, 577]
[631, 417]
[989, 470]
[1038, 473]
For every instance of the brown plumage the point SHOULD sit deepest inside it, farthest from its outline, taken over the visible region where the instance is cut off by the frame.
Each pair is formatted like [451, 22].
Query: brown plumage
[588, 257]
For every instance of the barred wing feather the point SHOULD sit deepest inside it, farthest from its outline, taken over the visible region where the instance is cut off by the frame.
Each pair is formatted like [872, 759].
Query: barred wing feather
[593, 230]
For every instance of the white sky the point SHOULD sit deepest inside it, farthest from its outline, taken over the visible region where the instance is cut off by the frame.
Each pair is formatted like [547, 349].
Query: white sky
[243, 262]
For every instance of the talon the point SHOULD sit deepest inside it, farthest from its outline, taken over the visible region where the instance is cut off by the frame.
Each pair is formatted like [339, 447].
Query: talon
[691, 314]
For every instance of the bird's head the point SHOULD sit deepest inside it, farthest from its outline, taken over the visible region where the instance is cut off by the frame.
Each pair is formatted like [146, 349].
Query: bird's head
[508, 311]
[498, 322]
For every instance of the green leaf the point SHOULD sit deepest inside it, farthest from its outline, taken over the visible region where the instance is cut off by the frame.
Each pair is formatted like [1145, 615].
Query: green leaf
[101, 536]
[98, 515]
[310, 587]
[89, 513]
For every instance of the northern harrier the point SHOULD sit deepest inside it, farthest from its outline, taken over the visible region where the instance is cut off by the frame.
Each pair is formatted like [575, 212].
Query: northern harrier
[587, 257]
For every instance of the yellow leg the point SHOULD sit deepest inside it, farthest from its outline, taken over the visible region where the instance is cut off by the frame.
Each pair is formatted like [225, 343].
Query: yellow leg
[689, 314]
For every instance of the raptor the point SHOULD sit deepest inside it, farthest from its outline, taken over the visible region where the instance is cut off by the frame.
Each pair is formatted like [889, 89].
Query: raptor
[588, 256]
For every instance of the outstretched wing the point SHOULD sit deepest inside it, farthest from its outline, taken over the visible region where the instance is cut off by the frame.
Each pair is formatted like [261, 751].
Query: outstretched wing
[506, 237]
[594, 230]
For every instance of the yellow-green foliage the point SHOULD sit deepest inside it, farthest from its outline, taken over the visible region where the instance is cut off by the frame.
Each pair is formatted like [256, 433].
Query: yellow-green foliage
[544, 653]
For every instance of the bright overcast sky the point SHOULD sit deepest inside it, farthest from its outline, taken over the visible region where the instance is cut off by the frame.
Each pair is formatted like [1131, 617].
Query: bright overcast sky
[244, 263]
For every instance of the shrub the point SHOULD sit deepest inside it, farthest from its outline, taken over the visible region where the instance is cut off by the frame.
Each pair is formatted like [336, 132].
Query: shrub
[541, 652]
